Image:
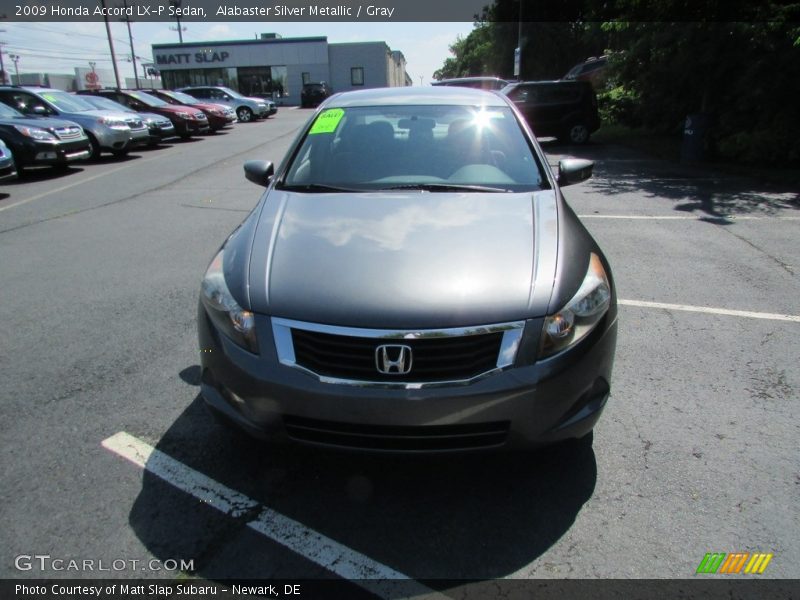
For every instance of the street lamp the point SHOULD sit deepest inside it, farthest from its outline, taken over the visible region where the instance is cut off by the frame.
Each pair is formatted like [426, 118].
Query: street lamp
[15, 58]
[176, 4]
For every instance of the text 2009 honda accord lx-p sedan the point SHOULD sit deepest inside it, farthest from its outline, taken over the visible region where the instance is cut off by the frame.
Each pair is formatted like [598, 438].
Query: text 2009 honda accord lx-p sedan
[412, 280]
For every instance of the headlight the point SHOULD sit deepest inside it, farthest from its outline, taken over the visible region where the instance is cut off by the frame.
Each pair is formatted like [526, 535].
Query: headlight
[114, 123]
[186, 116]
[215, 112]
[235, 322]
[36, 133]
[580, 315]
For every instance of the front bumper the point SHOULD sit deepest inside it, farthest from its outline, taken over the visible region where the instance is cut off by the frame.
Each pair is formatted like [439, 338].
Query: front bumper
[35, 153]
[159, 132]
[111, 139]
[186, 127]
[551, 400]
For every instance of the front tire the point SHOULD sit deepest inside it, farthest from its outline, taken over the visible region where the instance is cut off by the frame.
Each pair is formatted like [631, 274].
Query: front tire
[577, 133]
[95, 147]
[244, 114]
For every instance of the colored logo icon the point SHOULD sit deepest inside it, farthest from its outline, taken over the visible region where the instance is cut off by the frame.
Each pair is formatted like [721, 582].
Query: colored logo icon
[737, 562]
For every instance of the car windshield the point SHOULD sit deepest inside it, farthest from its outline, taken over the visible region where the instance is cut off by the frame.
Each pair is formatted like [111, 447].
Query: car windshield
[147, 99]
[6, 112]
[183, 98]
[230, 92]
[67, 102]
[433, 148]
[105, 103]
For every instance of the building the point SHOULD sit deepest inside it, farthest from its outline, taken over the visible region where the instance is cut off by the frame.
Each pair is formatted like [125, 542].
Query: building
[280, 66]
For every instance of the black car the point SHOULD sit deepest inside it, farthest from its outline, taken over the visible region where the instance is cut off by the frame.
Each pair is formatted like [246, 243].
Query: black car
[314, 93]
[41, 141]
[563, 109]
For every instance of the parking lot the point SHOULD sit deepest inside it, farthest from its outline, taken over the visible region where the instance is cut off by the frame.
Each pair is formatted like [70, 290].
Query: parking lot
[111, 455]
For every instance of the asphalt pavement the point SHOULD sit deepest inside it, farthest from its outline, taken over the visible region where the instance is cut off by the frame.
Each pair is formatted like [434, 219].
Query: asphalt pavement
[110, 455]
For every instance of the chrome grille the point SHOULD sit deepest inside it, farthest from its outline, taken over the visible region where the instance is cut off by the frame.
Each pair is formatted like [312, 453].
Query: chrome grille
[68, 133]
[134, 123]
[430, 357]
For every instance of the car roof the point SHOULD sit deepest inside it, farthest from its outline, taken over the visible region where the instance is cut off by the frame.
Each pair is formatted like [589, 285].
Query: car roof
[416, 95]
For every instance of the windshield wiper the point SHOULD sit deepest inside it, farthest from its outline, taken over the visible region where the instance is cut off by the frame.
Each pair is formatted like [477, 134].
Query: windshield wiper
[312, 188]
[446, 187]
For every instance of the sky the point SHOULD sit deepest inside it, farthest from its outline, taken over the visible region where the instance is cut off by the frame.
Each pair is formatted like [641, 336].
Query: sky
[60, 47]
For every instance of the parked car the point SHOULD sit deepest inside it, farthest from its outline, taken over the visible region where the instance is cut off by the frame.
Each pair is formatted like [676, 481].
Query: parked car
[411, 280]
[108, 131]
[593, 70]
[313, 94]
[246, 108]
[187, 121]
[482, 83]
[563, 109]
[159, 128]
[219, 115]
[8, 169]
[41, 141]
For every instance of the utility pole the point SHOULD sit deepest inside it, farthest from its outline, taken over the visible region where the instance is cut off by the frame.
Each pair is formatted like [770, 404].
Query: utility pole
[110, 44]
[127, 20]
[176, 4]
[15, 58]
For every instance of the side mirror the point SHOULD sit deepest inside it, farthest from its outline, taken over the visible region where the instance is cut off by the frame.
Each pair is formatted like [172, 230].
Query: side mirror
[39, 110]
[259, 171]
[574, 170]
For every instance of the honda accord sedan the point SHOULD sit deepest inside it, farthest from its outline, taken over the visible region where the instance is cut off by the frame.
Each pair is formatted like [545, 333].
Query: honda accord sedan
[412, 280]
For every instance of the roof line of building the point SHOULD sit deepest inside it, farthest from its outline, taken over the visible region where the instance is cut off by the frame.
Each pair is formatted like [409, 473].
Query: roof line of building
[296, 40]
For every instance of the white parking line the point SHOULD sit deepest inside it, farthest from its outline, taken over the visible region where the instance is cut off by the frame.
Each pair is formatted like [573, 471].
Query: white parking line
[76, 183]
[319, 549]
[690, 218]
[711, 310]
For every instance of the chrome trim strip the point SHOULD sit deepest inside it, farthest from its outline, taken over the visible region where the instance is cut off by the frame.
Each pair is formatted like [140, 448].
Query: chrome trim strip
[282, 334]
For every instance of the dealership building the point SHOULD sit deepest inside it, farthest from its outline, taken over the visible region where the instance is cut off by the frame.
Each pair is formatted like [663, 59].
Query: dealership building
[280, 66]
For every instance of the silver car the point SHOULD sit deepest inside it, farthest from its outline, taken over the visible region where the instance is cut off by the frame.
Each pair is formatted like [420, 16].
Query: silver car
[108, 131]
[247, 108]
[412, 280]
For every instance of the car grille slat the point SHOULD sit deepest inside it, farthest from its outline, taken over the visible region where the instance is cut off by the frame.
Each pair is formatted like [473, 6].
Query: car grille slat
[446, 358]
[396, 437]
[68, 133]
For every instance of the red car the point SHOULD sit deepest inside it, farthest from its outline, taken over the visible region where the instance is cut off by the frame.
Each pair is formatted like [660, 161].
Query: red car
[187, 120]
[219, 115]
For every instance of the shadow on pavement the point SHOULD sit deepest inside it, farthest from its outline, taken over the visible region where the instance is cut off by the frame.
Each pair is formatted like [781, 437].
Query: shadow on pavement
[475, 516]
[690, 188]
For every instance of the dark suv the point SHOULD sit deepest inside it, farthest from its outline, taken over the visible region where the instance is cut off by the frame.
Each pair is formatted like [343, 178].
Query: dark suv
[563, 109]
[314, 93]
[592, 70]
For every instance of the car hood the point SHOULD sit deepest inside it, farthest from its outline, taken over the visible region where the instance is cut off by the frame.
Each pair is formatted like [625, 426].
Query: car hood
[98, 113]
[404, 260]
[40, 122]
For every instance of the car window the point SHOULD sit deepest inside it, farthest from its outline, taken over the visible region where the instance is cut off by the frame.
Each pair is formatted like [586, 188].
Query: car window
[401, 146]
[146, 99]
[6, 112]
[183, 98]
[67, 102]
